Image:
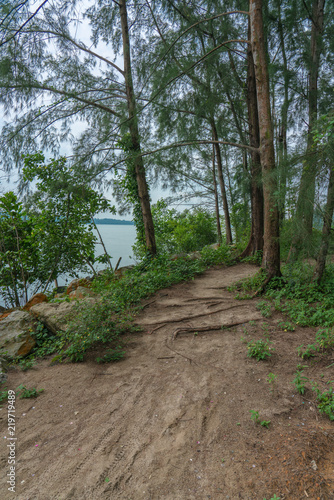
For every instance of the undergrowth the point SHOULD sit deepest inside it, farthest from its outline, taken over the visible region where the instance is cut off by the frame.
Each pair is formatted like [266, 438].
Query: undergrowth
[299, 296]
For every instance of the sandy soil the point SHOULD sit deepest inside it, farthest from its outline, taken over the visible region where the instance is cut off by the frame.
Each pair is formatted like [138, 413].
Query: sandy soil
[172, 420]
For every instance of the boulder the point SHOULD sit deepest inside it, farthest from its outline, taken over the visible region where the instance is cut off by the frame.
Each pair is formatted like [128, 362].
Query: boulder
[81, 293]
[83, 282]
[215, 246]
[38, 298]
[15, 334]
[54, 316]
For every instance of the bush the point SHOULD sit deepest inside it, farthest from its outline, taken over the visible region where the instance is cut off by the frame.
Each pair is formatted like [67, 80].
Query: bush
[178, 232]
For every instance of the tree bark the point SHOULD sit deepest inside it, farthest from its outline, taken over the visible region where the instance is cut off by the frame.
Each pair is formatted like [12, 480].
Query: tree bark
[271, 248]
[326, 230]
[219, 232]
[143, 192]
[255, 243]
[222, 184]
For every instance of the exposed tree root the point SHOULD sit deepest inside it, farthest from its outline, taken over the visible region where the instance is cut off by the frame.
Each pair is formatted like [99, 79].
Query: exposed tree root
[182, 355]
[205, 328]
[157, 328]
[189, 318]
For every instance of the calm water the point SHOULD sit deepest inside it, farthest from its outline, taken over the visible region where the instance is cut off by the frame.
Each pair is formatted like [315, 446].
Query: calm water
[118, 240]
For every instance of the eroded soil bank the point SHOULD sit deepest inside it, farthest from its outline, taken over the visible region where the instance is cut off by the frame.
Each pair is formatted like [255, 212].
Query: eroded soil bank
[172, 421]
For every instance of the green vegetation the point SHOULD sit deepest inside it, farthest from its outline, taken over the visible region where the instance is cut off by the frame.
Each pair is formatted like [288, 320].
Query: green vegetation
[180, 232]
[300, 381]
[49, 234]
[255, 416]
[325, 400]
[271, 379]
[298, 296]
[24, 393]
[259, 349]
[3, 396]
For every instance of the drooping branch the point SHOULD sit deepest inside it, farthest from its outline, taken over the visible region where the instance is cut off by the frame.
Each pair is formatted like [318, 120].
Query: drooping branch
[24, 24]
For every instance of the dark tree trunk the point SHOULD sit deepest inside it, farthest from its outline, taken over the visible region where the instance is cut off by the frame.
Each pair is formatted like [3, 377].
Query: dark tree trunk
[143, 192]
[219, 232]
[271, 248]
[222, 184]
[326, 230]
[255, 243]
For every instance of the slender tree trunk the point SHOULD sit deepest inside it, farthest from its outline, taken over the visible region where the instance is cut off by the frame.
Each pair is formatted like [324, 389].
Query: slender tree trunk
[255, 243]
[222, 184]
[326, 230]
[219, 232]
[143, 192]
[271, 249]
[305, 202]
[282, 140]
[102, 243]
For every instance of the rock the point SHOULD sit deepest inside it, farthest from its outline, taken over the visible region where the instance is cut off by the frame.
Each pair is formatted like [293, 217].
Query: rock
[15, 338]
[122, 270]
[83, 282]
[36, 299]
[53, 316]
[215, 246]
[186, 256]
[3, 370]
[179, 256]
[194, 256]
[81, 292]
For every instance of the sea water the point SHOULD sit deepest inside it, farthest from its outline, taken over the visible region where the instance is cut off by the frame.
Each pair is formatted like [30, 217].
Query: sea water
[118, 240]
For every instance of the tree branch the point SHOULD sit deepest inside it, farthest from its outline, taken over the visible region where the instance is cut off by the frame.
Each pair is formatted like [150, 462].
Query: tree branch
[24, 24]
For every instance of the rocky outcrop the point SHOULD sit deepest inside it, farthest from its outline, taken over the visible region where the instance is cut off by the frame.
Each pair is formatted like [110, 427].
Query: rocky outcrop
[15, 334]
[36, 299]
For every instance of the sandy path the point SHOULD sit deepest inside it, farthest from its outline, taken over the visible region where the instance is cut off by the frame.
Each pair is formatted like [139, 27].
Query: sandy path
[170, 422]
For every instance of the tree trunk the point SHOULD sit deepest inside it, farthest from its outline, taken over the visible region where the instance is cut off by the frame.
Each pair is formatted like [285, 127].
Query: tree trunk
[326, 230]
[255, 243]
[271, 249]
[219, 232]
[282, 140]
[222, 184]
[305, 203]
[143, 192]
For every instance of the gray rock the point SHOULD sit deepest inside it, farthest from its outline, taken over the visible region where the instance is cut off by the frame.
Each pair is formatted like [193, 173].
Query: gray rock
[55, 316]
[15, 334]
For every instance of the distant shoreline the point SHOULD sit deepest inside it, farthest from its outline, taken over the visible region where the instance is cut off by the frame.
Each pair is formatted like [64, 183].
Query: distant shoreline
[114, 222]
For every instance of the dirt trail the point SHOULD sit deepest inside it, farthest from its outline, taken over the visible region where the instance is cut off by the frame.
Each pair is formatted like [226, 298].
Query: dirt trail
[172, 421]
